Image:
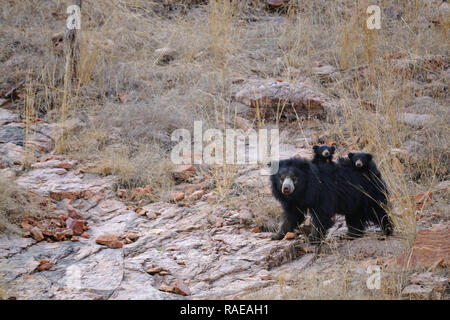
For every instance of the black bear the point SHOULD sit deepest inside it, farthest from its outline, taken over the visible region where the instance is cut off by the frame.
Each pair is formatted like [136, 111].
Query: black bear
[323, 154]
[361, 194]
[300, 187]
[352, 187]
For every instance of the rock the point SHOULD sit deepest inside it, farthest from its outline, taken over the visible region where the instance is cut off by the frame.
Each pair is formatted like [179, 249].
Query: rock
[183, 172]
[165, 55]
[265, 278]
[77, 226]
[416, 120]
[107, 239]
[63, 234]
[177, 196]
[166, 288]
[85, 235]
[121, 193]
[44, 264]
[324, 72]
[133, 236]
[115, 245]
[270, 95]
[36, 233]
[422, 199]
[289, 236]
[417, 292]
[72, 213]
[7, 117]
[196, 195]
[274, 3]
[11, 155]
[153, 270]
[431, 249]
[179, 287]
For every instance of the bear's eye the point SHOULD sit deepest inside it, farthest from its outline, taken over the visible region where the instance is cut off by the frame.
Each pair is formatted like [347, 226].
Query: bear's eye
[294, 179]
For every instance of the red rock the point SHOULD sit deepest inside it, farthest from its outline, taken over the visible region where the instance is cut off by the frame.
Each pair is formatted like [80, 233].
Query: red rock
[266, 278]
[422, 199]
[58, 196]
[153, 270]
[289, 236]
[141, 211]
[107, 239]
[36, 233]
[177, 196]
[219, 222]
[77, 226]
[181, 263]
[179, 287]
[255, 230]
[148, 189]
[183, 171]
[431, 249]
[74, 239]
[74, 214]
[166, 288]
[44, 264]
[48, 232]
[196, 195]
[65, 165]
[121, 193]
[63, 234]
[85, 235]
[115, 245]
[26, 226]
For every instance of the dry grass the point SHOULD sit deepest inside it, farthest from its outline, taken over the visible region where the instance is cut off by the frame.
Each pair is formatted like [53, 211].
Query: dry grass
[12, 205]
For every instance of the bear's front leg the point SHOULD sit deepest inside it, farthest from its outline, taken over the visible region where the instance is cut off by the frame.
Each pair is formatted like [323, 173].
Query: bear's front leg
[321, 222]
[291, 217]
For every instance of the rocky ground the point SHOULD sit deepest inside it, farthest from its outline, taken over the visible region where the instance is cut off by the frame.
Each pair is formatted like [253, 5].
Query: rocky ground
[91, 244]
[85, 234]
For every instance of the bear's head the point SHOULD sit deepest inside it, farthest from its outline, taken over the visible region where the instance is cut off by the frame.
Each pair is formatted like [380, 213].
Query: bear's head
[291, 177]
[324, 152]
[360, 160]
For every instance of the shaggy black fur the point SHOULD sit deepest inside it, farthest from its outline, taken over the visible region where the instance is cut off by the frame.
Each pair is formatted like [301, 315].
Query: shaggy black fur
[311, 190]
[323, 154]
[359, 175]
[352, 187]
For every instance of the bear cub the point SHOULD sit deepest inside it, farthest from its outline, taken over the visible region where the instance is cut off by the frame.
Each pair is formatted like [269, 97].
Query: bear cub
[323, 154]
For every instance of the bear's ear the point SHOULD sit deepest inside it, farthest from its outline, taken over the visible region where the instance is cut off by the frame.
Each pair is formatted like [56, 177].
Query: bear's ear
[315, 148]
[369, 157]
[350, 155]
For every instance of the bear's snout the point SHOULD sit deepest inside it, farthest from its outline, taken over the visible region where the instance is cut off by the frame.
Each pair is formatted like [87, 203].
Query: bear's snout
[288, 186]
[326, 153]
[359, 163]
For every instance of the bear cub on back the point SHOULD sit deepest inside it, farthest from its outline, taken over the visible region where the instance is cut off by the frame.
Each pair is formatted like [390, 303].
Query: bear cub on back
[323, 154]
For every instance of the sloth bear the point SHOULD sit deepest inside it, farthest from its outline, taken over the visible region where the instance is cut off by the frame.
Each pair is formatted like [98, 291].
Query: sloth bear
[299, 187]
[352, 187]
[362, 194]
[323, 154]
